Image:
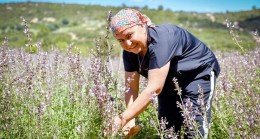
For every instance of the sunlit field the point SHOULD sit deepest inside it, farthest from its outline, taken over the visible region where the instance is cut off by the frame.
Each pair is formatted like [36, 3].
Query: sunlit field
[63, 94]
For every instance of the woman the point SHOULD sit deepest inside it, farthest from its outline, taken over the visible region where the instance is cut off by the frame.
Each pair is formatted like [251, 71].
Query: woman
[161, 53]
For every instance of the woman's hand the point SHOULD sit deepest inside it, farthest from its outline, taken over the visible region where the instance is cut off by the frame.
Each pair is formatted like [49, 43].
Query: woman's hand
[130, 129]
[132, 132]
[128, 126]
[119, 122]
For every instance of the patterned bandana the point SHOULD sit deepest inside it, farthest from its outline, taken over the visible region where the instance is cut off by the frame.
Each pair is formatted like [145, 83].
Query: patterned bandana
[127, 18]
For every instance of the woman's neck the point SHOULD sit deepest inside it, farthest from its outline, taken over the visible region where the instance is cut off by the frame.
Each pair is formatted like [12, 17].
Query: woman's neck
[143, 52]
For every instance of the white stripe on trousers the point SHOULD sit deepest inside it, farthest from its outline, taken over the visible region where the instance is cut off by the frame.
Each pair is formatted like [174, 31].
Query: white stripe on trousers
[212, 86]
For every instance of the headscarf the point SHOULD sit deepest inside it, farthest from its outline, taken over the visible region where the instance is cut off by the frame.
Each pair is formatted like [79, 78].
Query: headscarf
[127, 18]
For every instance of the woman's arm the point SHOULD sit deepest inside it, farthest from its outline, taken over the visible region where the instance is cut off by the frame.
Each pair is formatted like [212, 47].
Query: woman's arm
[156, 80]
[131, 87]
[131, 93]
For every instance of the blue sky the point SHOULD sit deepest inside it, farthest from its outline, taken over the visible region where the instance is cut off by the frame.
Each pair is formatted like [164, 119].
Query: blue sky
[175, 5]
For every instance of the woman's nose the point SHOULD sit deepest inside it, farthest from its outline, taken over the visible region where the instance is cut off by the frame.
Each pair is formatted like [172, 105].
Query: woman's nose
[128, 43]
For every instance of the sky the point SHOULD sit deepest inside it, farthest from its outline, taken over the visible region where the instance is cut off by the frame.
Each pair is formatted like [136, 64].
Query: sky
[174, 5]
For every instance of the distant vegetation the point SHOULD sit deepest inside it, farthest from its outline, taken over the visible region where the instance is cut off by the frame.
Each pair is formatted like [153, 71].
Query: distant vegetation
[62, 24]
[63, 94]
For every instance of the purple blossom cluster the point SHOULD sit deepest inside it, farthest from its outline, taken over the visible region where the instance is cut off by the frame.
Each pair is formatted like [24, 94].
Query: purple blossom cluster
[238, 88]
[65, 95]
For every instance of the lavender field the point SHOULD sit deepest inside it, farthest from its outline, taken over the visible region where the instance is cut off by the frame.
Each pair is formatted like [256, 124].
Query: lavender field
[66, 95]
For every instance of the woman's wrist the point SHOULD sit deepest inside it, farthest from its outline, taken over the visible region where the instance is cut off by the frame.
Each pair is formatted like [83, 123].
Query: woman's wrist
[123, 120]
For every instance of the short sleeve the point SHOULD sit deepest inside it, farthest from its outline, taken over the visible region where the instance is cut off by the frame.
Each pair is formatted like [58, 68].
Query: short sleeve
[130, 61]
[165, 44]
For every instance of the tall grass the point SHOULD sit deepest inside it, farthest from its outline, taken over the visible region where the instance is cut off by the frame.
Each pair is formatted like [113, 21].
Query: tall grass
[65, 95]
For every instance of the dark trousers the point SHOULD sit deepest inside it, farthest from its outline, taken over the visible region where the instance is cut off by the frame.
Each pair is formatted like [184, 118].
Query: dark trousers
[168, 108]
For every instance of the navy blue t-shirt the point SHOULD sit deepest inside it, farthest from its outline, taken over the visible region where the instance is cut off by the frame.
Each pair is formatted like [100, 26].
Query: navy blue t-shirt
[189, 58]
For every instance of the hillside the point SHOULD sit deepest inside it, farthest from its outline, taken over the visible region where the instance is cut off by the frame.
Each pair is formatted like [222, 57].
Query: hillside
[61, 24]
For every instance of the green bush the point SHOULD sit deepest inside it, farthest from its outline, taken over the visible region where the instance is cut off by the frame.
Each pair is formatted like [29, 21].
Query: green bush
[43, 32]
[65, 21]
[53, 27]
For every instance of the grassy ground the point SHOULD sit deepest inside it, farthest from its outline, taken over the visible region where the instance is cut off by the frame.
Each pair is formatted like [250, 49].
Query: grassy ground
[62, 24]
[64, 94]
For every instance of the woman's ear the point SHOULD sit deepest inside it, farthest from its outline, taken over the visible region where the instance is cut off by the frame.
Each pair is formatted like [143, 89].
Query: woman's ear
[143, 25]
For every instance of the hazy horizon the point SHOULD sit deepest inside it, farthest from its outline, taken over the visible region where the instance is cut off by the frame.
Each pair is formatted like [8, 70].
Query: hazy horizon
[174, 5]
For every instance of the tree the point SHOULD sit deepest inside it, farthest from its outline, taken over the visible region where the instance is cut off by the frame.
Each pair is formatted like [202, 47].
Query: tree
[145, 7]
[254, 7]
[123, 5]
[168, 10]
[160, 8]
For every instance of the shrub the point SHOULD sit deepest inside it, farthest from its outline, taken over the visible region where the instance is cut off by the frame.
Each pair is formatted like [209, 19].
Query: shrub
[53, 27]
[65, 21]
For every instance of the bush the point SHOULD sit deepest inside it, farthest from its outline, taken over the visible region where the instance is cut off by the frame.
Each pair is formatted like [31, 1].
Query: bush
[53, 27]
[65, 21]
[44, 32]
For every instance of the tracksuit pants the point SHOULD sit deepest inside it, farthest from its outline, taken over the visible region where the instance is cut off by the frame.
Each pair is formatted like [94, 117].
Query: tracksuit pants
[168, 104]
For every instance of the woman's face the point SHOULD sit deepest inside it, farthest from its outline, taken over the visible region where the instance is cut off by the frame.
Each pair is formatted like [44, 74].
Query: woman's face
[133, 39]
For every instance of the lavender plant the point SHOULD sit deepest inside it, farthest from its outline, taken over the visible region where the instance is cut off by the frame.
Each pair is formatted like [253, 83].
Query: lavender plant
[191, 127]
[237, 96]
[66, 95]
[234, 34]
[236, 107]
